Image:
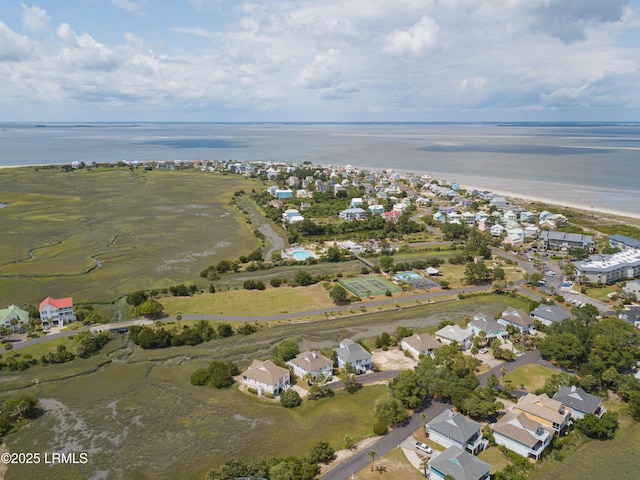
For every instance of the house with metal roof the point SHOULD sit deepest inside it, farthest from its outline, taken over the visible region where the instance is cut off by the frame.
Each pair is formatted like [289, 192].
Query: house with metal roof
[353, 354]
[579, 401]
[554, 240]
[12, 312]
[458, 463]
[454, 429]
[521, 435]
[623, 242]
[57, 311]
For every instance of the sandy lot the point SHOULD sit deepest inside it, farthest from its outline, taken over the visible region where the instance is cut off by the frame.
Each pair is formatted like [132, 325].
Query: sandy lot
[392, 359]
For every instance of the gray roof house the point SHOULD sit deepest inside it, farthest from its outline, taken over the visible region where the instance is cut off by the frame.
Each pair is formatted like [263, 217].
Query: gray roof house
[521, 435]
[459, 464]
[484, 323]
[453, 334]
[421, 344]
[311, 363]
[549, 314]
[579, 401]
[354, 354]
[623, 242]
[518, 318]
[452, 428]
[554, 240]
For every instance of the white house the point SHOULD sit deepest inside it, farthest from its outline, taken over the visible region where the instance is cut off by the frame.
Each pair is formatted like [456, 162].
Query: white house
[496, 230]
[353, 354]
[311, 363]
[13, 313]
[266, 377]
[351, 214]
[518, 318]
[454, 429]
[521, 435]
[453, 334]
[483, 323]
[57, 311]
[552, 414]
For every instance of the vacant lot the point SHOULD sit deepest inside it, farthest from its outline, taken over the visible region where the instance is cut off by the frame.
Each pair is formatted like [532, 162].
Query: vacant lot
[531, 376]
[96, 235]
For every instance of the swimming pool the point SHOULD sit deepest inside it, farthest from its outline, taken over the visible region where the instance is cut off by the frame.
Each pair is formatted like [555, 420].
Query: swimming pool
[408, 276]
[302, 254]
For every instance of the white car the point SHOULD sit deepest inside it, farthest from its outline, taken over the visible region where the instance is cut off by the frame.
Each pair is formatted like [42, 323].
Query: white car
[550, 273]
[483, 350]
[424, 447]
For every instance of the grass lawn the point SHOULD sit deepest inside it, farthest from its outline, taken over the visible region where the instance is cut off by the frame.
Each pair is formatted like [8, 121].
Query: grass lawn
[394, 465]
[532, 376]
[494, 457]
[98, 234]
[601, 294]
[251, 302]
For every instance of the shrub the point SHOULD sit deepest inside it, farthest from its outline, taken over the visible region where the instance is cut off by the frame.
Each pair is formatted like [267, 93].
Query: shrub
[380, 428]
[200, 376]
[290, 398]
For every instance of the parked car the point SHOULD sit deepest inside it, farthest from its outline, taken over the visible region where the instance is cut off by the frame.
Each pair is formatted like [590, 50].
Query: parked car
[483, 350]
[424, 447]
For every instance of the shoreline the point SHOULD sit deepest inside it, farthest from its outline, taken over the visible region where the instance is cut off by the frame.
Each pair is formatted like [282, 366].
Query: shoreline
[518, 197]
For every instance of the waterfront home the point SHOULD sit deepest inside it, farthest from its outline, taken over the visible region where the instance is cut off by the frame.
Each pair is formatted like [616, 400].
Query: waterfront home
[623, 242]
[526, 216]
[498, 202]
[454, 429]
[354, 354]
[420, 344]
[351, 246]
[266, 377]
[458, 464]
[552, 414]
[454, 335]
[609, 269]
[284, 193]
[311, 364]
[488, 325]
[13, 312]
[549, 314]
[517, 318]
[376, 209]
[521, 435]
[56, 311]
[351, 214]
[579, 401]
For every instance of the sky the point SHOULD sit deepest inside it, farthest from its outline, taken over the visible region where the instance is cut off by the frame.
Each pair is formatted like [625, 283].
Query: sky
[320, 60]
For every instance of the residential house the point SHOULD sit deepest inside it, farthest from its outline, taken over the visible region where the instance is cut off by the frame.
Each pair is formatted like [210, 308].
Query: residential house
[393, 215]
[554, 240]
[609, 269]
[453, 217]
[351, 246]
[454, 429]
[481, 216]
[458, 464]
[498, 202]
[351, 214]
[488, 325]
[521, 435]
[13, 312]
[467, 218]
[376, 209]
[440, 217]
[453, 334]
[632, 287]
[57, 311]
[526, 216]
[266, 377]
[420, 344]
[353, 354]
[282, 193]
[293, 181]
[552, 414]
[509, 216]
[531, 231]
[579, 401]
[518, 318]
[356, 202]
[623, 242]
[312, 364]
[496, 230]
[514, 237]
[550, 314]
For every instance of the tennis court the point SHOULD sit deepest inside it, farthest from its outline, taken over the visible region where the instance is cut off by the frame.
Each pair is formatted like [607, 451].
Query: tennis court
[363, 287]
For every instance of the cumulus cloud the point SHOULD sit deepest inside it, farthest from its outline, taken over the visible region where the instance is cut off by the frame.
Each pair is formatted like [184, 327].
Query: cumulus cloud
[13, 46]
[83, 51]
[568, 20]
[323, 72]
[415, 41]
[34, 18]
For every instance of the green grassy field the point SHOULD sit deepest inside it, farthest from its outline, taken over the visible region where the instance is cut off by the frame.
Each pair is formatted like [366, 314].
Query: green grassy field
[96, 235]
[532, 376]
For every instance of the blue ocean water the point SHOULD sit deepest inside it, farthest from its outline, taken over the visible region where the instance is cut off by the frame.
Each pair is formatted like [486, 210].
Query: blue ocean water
[594, 166]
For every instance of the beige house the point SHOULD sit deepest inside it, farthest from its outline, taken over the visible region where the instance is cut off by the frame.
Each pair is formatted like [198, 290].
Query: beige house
[521, 435]
[421, 344]
[266, 377]
[313, 364]
[552, 414]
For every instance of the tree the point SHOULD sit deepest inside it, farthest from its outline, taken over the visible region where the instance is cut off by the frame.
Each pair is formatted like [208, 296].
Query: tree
[290, 398]
[347, 442]
[372, 454]
[322, 452]
[350, 382]
[199, 376]
[221, 374]
[386, 263]
[406, 388]
[212, 289]
[303, 278]
[225, 330]
[603, 428]
[285, 350]
[334, 254]
[150, 308]
[137, 298]
[476, 273]
[338, 294]
[388, 410]
[454, 231]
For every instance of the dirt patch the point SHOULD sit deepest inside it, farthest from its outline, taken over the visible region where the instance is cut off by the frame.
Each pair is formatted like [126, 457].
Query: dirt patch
[392, 359]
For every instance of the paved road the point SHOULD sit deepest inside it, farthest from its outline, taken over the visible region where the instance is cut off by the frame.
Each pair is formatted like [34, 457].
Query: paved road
[387, 443]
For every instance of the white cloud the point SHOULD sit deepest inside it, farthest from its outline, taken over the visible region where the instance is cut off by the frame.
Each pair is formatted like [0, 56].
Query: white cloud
[197, 31]
[83, 51]
[324, 72]
[13, 47]
[34, 18]
[132, 6]
[415, 41]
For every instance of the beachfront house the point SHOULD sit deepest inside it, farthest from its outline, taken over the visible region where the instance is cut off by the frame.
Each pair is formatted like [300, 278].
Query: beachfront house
[454, 429]
[454, 335]
[521, 435]
[311, 364]
[354, 354]
[266, 377]
[623, 242]
[56, 311]
[458, 464]
[420, 344]
[12, 312]
[579, 401]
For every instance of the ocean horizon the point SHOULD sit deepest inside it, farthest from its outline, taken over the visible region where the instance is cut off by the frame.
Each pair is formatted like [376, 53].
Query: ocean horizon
[585, 165]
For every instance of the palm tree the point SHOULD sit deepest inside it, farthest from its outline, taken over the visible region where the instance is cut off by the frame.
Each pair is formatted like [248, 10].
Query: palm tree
[373, 454]
[178, 318]
[423, 465]
[503, 372]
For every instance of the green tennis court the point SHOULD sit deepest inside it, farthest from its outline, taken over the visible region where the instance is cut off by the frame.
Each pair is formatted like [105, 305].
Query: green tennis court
[363, 287]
